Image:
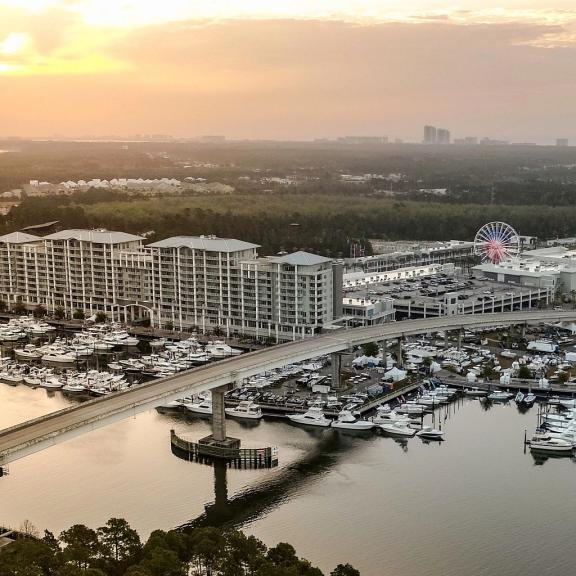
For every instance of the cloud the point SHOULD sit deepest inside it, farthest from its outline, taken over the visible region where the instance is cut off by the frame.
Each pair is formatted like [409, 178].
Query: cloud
[294, 78]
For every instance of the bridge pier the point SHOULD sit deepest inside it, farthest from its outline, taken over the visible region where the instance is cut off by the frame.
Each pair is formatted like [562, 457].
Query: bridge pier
[384, 345]
[459, 338]
[400, 356]
[336, 362]
[218, 414]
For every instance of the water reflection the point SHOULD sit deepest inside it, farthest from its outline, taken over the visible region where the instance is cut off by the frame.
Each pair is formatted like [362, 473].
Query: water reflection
[255, 501]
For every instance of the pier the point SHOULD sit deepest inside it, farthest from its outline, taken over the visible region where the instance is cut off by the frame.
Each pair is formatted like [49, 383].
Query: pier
[234, 456]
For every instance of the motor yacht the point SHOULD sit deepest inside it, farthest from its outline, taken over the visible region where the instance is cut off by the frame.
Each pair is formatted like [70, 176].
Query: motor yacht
[475, 392]
[542, 442]
[519, 398]
[411, 407]
[313, 417]
[430, 433]
[29, 352]
[201, 406]
[392, 416]
[397, 429]
[245, 409]
[499, 396]
[347, 421]
[529, 399]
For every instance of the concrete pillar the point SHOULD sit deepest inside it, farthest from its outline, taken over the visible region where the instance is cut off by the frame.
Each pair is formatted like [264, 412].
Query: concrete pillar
[336, 361]
[523, 330]
[459, 338]
[400, 357]
[384, 345]
[218, 414]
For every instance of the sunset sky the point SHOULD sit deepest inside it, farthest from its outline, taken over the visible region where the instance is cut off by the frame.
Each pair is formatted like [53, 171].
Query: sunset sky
[297, 69]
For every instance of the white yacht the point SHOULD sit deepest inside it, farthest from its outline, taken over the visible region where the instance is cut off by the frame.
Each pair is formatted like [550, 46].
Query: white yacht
[545, 443]
[430, 433]
[382, 417]
[411, 407]
[314, 417]
[347, 421]
[475, 392]
[201, 406]
[499, 396]
[397, 429]
[245, 409]
[29, 352]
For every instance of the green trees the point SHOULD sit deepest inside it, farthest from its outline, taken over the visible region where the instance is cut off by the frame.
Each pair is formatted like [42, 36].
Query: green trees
[39, 311]
[370, 349]
[100, 317]
[524, 372]
[59, 313]
[78, 314]
[115, 550]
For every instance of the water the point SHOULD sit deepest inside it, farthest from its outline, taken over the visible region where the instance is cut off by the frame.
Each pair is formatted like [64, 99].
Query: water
[475, 504]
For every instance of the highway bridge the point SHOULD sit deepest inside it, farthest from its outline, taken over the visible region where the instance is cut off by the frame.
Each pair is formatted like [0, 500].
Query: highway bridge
[40, 433]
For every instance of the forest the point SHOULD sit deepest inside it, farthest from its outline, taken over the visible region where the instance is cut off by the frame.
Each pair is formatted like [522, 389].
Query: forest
[531, 187]
[116, 549]
[322, 224]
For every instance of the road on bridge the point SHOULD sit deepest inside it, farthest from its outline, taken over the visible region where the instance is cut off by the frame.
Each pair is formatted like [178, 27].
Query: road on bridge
[34, 435]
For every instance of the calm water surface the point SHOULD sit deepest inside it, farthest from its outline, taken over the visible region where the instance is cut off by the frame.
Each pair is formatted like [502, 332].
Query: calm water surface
[475, 504]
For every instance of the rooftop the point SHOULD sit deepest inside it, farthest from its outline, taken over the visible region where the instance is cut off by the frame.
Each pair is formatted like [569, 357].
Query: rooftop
[300, 259]
[18, 238]
[96, 236]
[208, 243]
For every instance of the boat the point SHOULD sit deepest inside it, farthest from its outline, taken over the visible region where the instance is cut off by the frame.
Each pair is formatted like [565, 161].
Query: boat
[392, 416]
[499, 396]
[542, 442]
[313, 417]
[29, 352]
[52, 383]
[529, 399]
[202, 406]
[411, 407]
[245, 409]
[475, 392]
[397, 429]
[74, 388]
[347, 421]
[430, 433]
[519, 398]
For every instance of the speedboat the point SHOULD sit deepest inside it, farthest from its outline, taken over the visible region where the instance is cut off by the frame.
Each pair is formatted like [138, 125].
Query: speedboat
[529, 399]
[519, 398]
[430, 433]
[397, 429]
[499, 396]
[29, 352]
[347, 421]
[245, 409]
[313, 417]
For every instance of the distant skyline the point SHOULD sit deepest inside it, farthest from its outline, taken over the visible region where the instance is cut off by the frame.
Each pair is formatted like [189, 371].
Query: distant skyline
[289, 70]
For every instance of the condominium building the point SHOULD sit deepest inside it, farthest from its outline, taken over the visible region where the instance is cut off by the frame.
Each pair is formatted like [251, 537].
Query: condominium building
[183, 282]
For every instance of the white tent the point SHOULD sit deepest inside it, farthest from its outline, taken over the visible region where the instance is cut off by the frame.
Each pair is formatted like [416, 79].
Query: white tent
[543, 383]
[435, 367]
[366, 361]
[470, 377]
[395, 374]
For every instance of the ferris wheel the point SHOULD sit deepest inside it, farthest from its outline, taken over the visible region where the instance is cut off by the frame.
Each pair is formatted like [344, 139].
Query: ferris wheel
[496, 241]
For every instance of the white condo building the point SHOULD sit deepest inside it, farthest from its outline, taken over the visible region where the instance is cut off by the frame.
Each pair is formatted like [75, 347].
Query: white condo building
[184, 282]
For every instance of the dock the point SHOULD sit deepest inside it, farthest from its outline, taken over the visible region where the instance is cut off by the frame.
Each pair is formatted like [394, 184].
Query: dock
[234, 456]
[514, 384]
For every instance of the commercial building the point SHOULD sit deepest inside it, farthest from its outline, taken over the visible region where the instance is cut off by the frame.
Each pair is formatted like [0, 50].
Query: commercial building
[184, 282]
[429, 135]
[415, 255]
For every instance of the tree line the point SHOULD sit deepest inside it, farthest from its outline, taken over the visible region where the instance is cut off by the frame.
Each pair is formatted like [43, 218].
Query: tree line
[322, 224]
[116, 549]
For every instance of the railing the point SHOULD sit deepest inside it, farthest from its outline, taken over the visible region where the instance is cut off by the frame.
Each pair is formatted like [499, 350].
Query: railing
[235, 457]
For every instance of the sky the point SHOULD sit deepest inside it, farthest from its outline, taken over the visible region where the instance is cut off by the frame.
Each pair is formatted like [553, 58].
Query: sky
[298, 69]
